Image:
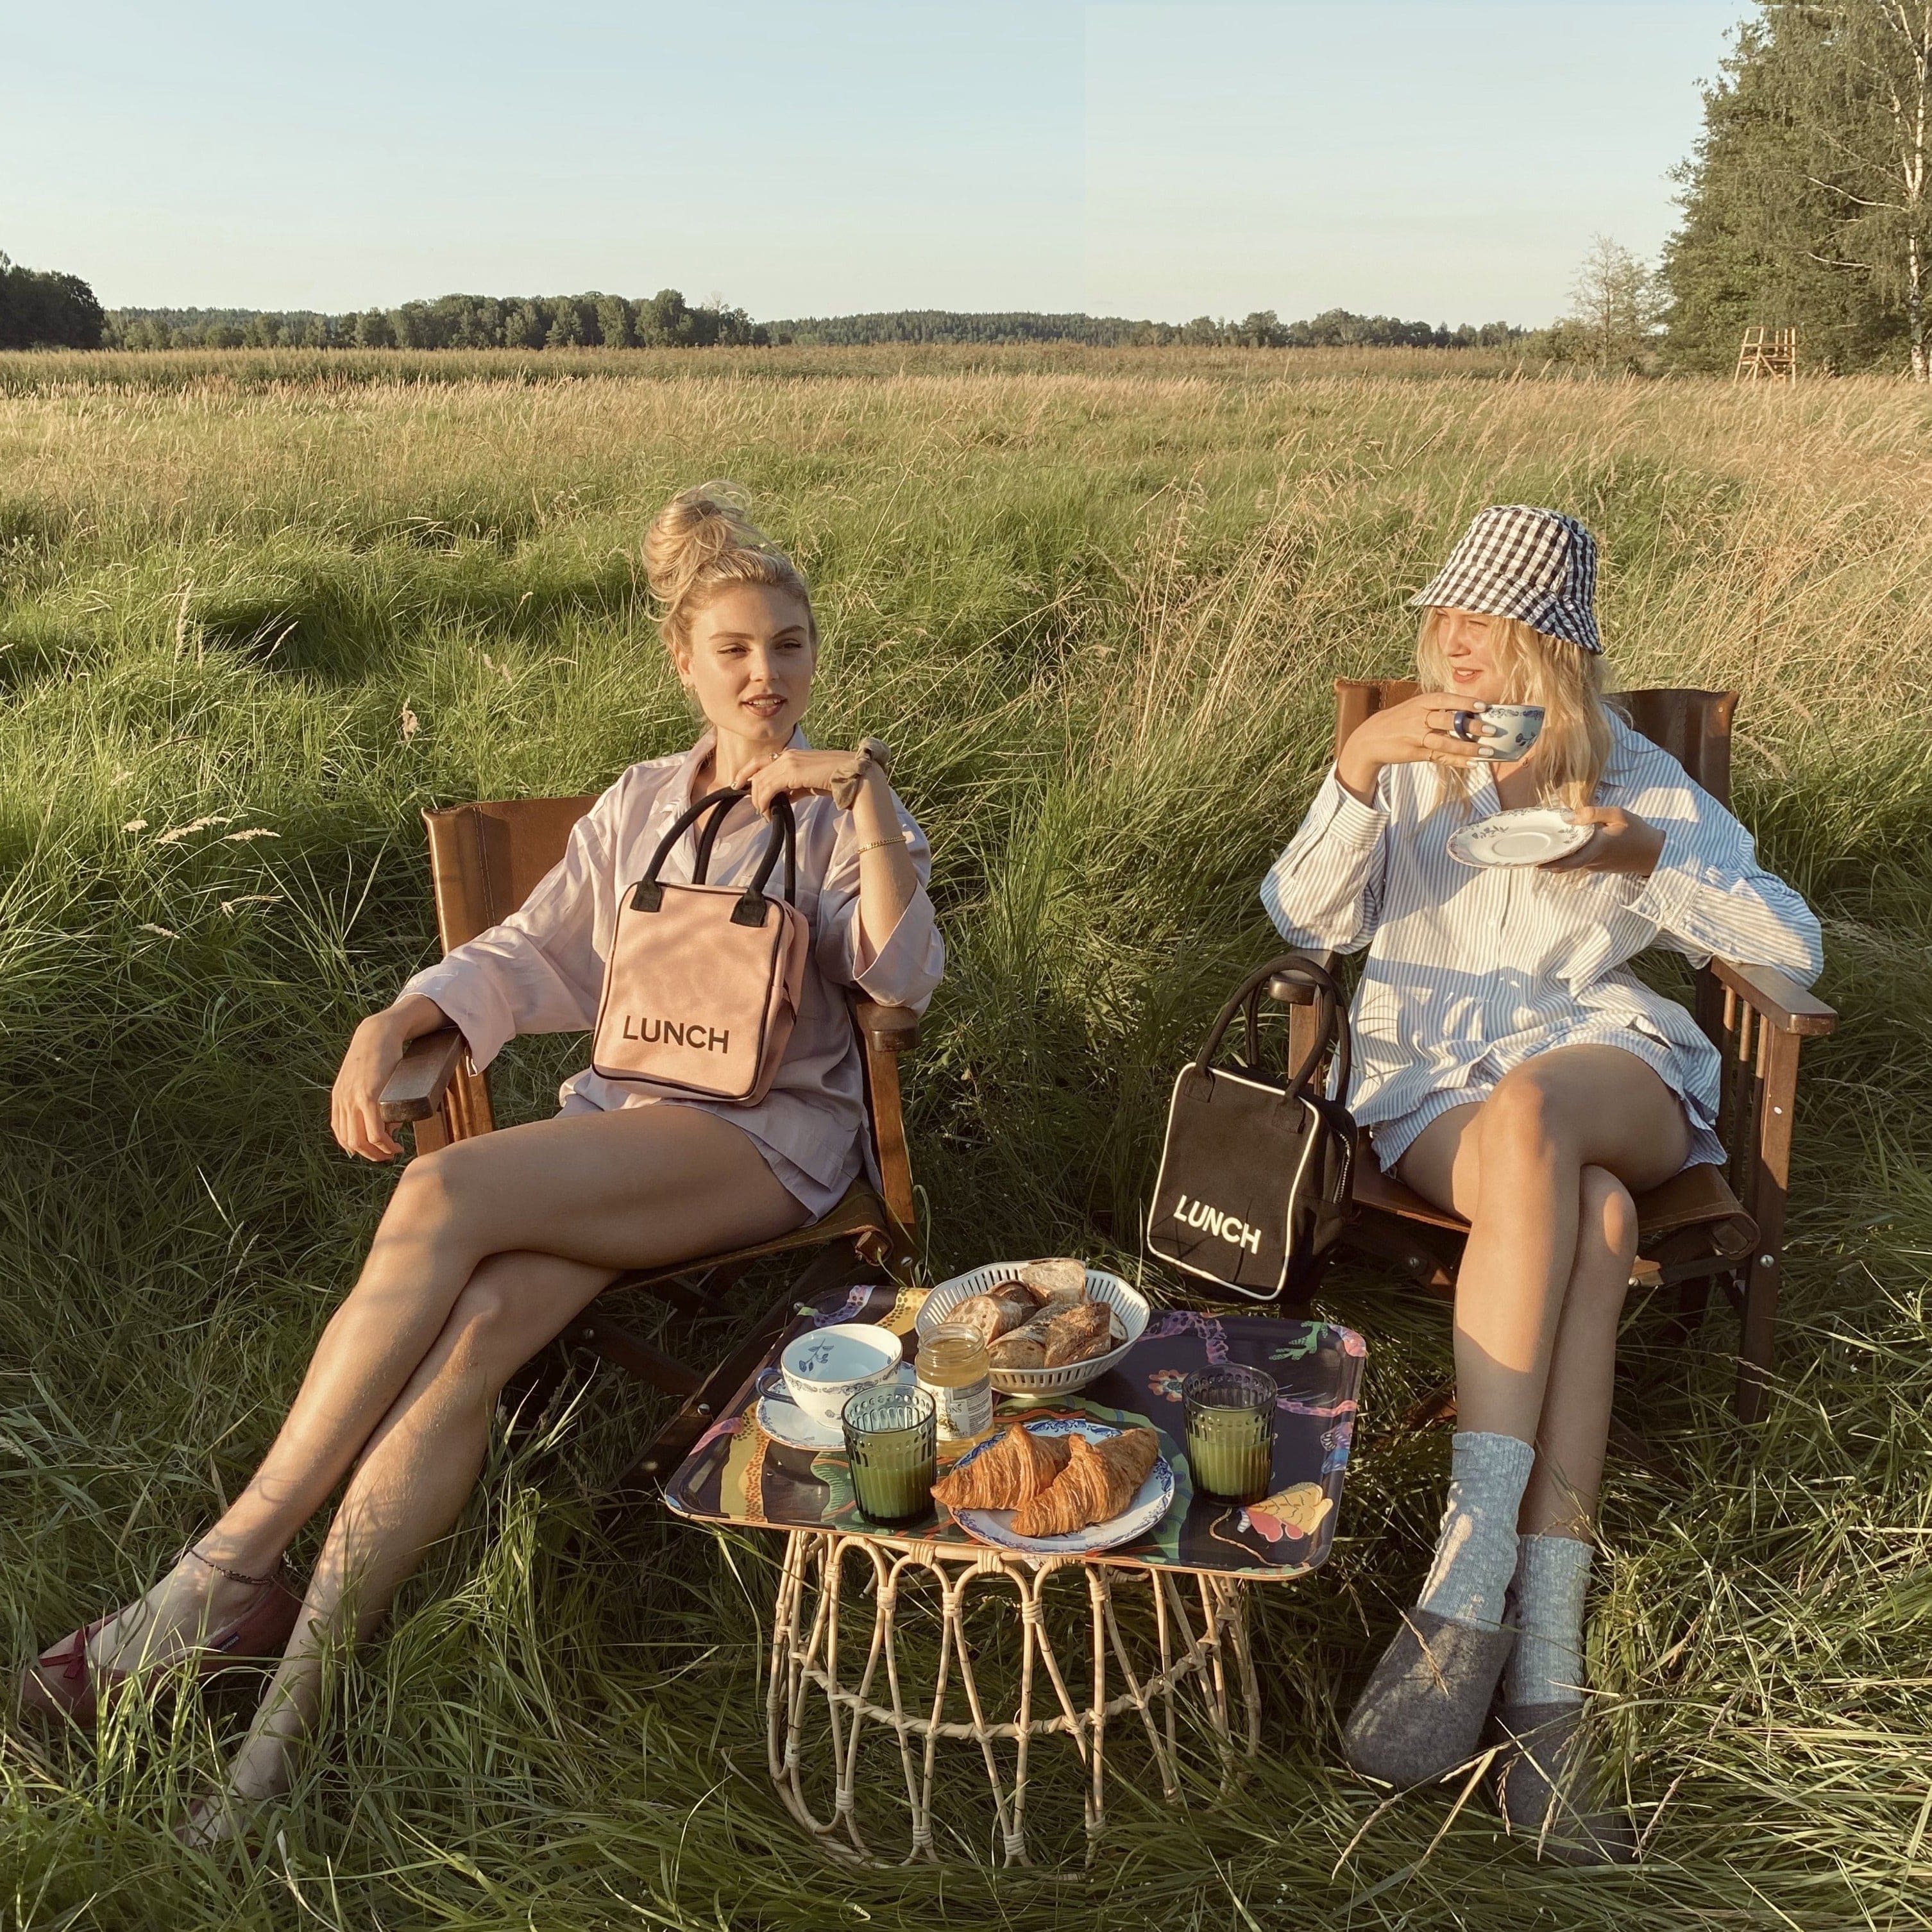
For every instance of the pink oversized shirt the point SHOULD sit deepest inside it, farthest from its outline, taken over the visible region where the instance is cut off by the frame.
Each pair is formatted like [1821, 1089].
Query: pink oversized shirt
[542, 970]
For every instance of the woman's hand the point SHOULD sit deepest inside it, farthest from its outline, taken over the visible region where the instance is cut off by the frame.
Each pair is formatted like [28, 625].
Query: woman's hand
[792, 773]
[1622, 842]
[1420, 728]
[354, 1101]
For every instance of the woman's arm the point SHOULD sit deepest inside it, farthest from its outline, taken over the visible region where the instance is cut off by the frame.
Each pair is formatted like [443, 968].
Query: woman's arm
[540, 970]
[537, 971]
[888, 880]
[375, 1046]
[1706, 894]
[1701, 889]
[1324, 892]
[876, 929]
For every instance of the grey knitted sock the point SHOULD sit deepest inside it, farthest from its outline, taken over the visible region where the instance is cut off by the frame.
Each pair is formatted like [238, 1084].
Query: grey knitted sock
[1476, 1554]
[1547, 1667]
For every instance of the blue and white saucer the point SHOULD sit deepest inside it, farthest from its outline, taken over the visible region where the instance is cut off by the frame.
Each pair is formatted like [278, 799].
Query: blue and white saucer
[1152, 1501]
[1531, 835]
[784, 1421]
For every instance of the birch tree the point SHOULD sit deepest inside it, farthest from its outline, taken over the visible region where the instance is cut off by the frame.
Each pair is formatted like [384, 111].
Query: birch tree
[1862, 99]
[1616, 306]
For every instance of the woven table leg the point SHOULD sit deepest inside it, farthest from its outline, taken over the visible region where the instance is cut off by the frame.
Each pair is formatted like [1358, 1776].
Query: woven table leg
[885, 1600]
[808, 1663]
[953, 1646]
[1231, 1595]
[1142, 1697]
[1100, 1601]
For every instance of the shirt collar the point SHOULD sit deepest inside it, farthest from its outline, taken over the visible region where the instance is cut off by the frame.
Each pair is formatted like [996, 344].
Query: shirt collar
[677, 793]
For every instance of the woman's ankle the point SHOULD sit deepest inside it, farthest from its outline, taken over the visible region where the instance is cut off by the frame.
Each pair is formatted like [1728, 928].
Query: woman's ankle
[240, 1557]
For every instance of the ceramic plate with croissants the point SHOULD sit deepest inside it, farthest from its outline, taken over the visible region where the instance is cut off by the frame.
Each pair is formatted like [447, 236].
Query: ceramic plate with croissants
[1060, 1485]
[1050, 1326]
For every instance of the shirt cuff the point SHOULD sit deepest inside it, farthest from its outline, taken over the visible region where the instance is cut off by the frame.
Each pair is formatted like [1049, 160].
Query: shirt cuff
[1349, 819]
[475, 1009]
[1665, 898]
[906, 968]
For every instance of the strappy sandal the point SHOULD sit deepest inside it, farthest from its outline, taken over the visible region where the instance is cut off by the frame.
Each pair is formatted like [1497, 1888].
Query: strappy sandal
[61, 1682]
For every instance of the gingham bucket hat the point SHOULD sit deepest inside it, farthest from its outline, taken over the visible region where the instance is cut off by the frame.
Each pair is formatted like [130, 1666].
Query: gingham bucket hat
[1516, 561]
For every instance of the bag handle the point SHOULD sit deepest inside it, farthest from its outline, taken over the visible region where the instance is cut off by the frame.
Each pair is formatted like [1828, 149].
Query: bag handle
[648, 895]
[1329, 1009]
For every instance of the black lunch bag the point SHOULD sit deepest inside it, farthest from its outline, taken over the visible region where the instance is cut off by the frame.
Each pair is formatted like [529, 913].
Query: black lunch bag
[1255, 1174]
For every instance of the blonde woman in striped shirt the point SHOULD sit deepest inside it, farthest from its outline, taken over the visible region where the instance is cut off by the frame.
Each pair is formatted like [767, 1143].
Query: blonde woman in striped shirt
[1509, 1066]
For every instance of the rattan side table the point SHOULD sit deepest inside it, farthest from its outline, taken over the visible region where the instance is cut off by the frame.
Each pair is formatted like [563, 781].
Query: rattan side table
[894, 1641]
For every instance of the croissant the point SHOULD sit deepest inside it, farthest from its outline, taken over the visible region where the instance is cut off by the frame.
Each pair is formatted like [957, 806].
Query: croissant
[992, 1314]
[1098, 1481]
[1016, 1469]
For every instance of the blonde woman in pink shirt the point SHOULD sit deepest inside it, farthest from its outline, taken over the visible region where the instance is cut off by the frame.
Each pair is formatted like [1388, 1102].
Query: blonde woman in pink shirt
[489, 1246]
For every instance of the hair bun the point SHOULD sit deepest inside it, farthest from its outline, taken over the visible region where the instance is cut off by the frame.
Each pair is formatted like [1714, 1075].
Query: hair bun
[703, 541]
[696, 528]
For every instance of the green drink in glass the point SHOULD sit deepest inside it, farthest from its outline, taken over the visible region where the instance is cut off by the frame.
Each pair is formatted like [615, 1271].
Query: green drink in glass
[1230, 1431]
[891, 1444]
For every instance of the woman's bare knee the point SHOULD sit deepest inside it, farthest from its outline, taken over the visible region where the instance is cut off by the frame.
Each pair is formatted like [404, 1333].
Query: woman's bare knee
[1522, 1117]
[1609, 1212]
[487, 1331]
[430, 1191]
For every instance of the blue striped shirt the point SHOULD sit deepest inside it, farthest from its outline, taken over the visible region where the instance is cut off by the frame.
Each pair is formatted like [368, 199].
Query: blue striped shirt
[1470, 970]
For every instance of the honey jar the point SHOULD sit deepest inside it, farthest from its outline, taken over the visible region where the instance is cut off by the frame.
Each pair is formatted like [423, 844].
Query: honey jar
[951, 1368]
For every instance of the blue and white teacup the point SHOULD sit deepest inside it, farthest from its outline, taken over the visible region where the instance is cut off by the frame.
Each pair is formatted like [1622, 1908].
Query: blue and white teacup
[821, 1370]
[1511, 729]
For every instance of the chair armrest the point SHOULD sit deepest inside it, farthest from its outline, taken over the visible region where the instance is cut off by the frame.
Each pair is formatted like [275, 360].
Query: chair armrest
[1293, 992]
[1776, 996]
[886, 1029]
[415, 1090]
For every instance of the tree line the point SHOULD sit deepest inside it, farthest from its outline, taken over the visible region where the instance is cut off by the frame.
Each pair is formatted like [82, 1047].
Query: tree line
[664, 320]
[1335, 328]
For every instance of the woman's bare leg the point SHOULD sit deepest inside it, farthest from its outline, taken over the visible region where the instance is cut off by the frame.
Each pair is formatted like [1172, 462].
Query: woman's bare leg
[703, 1187]
[1514, 1168]
[1575, 1424]
[1534, 1169]
[408, 1487]
[616, 1190]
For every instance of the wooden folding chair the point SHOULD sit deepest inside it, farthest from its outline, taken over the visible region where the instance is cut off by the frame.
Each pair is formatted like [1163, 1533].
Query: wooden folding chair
[1707, 1224]
[485, 860]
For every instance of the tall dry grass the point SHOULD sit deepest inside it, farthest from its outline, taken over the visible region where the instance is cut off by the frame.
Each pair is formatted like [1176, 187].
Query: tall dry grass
[1096, 602]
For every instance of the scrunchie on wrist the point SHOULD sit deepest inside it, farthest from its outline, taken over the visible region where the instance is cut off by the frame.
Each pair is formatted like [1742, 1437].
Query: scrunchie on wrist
[871, 754]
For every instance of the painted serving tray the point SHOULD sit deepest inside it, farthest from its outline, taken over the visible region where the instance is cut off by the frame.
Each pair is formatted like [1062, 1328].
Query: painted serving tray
[738, 1475]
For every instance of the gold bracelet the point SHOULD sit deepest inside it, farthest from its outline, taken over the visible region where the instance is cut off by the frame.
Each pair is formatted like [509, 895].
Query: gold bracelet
[873, 844]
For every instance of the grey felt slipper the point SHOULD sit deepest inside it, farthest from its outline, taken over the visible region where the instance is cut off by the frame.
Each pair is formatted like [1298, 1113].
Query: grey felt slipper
[1547, 1787]
[1422, 1712]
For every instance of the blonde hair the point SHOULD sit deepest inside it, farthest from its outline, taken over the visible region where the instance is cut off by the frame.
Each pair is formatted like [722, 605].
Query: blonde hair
[703, 540]
[1537, 668]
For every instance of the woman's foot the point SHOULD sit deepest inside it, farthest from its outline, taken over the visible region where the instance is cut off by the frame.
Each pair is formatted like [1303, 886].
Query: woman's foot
[1548, 1785]
[1421, 1713]
[261, 1771]
[200, 1608]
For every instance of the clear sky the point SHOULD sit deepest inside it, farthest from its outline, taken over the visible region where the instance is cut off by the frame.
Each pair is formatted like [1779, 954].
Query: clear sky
[1443, 159]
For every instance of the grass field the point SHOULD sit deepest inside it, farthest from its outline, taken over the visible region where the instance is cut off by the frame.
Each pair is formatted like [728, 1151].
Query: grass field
[1095, 603]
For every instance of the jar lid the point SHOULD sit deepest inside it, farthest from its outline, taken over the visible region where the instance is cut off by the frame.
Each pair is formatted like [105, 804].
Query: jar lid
[953, 1334]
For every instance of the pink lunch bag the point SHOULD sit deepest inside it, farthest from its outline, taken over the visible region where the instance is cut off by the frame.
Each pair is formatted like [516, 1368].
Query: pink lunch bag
[702, 988]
